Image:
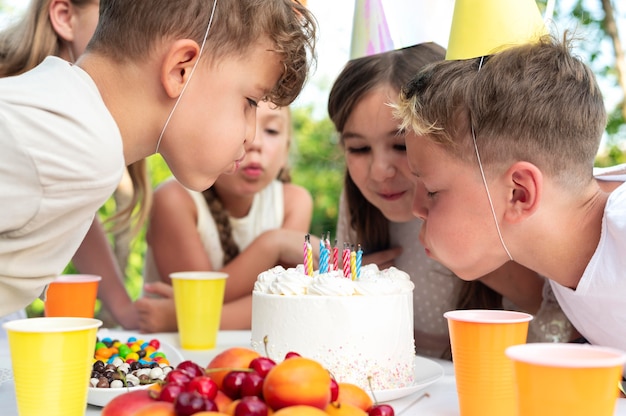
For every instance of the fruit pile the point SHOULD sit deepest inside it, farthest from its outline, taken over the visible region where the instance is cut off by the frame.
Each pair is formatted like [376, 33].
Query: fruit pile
[240, 382]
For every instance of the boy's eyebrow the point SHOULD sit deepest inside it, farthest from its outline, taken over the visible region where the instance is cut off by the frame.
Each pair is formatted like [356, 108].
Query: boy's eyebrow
[352, 135]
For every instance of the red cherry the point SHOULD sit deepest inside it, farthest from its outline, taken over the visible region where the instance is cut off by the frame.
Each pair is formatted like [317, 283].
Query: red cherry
[169, 392]
[187, 403]
[291, 354]
[251, 406]
[334, 389]
[262, 365]
[252, 385]
[231, 385]
[381, 410]
[190, 368]
[204, 386]
[177, 377]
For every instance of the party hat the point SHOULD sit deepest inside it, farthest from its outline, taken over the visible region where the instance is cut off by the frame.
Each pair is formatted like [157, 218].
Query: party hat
[370, 31]
[483, 27]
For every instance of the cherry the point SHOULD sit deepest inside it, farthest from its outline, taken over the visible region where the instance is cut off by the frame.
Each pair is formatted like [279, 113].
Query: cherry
[291, 354]
[381, 410]
[177, 377]
[334, 390]
[262, 365]
[190, 368]
[187, 403]
[169, 392]
[252, 385]
[231, 385]
[251, 406]
[204, 386]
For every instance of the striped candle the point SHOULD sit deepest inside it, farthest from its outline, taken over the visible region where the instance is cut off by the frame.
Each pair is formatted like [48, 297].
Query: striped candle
[309, 259]
[305, 253]
[323, 257]
[353, 265]
[335, 257]
[346, 261]
[359, 257]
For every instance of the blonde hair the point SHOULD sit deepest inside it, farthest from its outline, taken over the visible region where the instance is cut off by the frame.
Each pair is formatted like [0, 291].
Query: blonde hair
[25, 45]
[129, 30]
[537, 102]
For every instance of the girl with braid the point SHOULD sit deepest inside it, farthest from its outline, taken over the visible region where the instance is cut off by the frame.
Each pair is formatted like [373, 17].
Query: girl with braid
[246, 223]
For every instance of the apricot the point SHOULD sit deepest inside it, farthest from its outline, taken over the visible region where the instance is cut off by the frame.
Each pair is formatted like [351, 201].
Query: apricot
[297, 381]
[230, 359]
[344, 409]
[222, 401]
[354, 395]
[300, 410]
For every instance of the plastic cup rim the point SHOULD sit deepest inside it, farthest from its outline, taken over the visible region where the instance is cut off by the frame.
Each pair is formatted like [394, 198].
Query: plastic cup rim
[476, 316]
[198, 275]
[613, 358]
[46, 324]
[77, 278]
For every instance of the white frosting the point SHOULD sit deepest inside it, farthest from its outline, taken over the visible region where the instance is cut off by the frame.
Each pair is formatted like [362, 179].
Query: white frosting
[355, 328]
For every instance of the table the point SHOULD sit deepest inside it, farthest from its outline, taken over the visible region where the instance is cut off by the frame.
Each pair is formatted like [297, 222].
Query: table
[441, 400]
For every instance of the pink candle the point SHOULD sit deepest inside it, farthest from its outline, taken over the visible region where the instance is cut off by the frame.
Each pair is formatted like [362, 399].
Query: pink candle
[346, 261]
[335, 257]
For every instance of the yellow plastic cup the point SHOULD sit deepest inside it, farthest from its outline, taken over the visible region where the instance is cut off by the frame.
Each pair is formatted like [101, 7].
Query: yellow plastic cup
[484, 375]
[566, 379]
[72, 295]
[198, 297]
[52, 348]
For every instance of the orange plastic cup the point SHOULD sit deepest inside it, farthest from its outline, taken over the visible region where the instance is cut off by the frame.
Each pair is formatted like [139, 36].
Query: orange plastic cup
[72, 295]
[566, 379]
[484, 374]
[198, 297]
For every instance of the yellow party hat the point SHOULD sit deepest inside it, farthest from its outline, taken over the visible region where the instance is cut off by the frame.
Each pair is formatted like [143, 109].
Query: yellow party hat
[483, 27]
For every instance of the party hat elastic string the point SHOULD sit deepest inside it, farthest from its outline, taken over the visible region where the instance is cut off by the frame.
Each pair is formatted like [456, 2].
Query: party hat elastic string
[482, 174]
[193, 69]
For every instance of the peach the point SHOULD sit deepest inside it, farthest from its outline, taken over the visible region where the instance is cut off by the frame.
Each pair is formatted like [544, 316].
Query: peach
[128, 404]
[300, 410]
[157, 409]
[210, 414]
[297, 381]
[354, 395]
[230, 359]
[344, 409]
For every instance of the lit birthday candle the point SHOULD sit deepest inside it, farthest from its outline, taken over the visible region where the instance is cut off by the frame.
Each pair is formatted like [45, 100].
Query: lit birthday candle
[345, 256]
[353, 264]
[359, 257]
[335, 257]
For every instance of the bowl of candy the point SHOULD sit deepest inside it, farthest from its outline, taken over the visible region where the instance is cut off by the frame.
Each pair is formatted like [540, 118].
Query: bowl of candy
[127, 363]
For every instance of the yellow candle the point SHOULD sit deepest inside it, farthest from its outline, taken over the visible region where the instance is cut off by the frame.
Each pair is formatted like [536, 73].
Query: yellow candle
[353, 264]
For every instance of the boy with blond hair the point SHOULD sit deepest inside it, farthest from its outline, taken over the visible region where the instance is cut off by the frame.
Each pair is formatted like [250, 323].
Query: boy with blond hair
[503, 148]
[181, 78]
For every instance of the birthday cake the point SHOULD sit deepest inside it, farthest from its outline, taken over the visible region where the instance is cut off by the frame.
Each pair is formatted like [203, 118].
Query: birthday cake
[356, 328]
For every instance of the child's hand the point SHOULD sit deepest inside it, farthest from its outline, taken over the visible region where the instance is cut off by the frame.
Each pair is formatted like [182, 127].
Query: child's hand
[156, 310]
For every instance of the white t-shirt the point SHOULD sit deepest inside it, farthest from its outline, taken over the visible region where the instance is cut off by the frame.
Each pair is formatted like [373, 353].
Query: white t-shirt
[597, 307]
[61, 157]
[266, 213]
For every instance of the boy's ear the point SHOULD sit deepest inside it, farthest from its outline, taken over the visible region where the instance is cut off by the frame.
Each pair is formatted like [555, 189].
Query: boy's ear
[527, 185]
[60, 13]
[177, 66]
